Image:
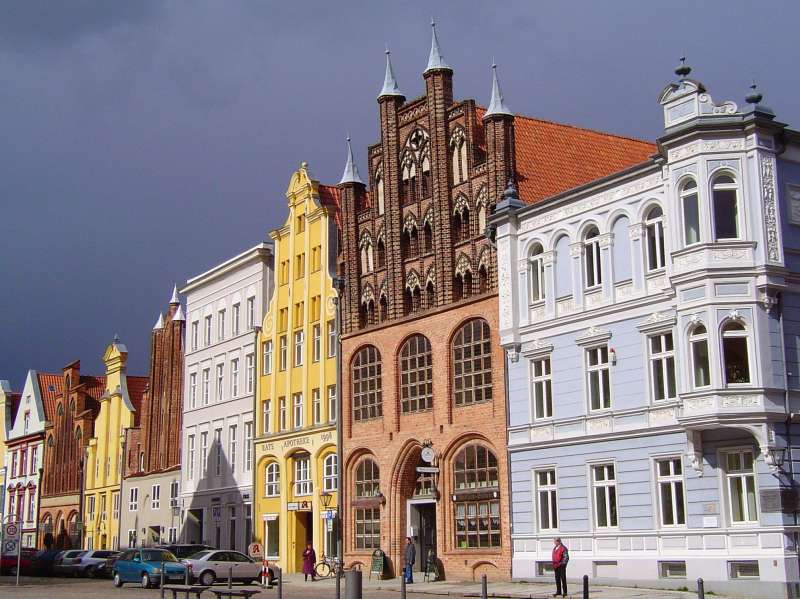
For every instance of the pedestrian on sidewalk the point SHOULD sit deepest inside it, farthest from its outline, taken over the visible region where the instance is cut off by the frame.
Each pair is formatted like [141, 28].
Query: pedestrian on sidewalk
[411, 556]
[560, 559]
[309, 561]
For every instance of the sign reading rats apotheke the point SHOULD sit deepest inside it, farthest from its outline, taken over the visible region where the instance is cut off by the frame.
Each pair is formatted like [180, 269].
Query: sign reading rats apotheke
[291, 443]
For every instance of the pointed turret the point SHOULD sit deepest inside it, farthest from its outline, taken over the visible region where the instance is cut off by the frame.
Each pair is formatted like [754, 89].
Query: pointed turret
[350, 174]
[178, 314]
[497, 105]
[435, 58]
[159, 323]
[390, 87]
[175, 300]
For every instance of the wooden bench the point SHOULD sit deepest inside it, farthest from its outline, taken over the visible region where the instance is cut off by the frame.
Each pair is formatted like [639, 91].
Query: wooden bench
[230, 593]
[187, 589]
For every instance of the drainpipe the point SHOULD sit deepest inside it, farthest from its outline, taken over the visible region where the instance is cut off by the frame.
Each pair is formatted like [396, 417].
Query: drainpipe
[253, 520]
[122, 463]
[82, 495]
[338, 283]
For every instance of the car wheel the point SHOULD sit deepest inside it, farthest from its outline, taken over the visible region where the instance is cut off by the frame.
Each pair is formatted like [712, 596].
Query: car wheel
[117, 580]
[207, 578]
[145, 580]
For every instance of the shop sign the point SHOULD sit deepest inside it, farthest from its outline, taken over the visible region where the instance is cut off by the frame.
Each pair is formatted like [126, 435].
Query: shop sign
[299, 506]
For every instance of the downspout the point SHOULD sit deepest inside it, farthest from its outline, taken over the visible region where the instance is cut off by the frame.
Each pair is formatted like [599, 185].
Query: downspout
[339, 285]
[256, 333]
[122, 463]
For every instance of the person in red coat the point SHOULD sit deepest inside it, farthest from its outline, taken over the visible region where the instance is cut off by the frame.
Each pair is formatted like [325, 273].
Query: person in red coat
[309, 561]
[560, 559]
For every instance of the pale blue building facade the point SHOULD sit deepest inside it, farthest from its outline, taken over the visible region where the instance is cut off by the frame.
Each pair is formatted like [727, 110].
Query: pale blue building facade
[651, 323]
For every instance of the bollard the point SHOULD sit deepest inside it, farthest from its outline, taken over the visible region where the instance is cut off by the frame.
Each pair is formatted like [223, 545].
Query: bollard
[339, 583]
[279, 576]
[484, 587]
[162, 580]
[403, 586]
[352, 584]
[186, 575]
[585, 586]
[701, 591]
[230, 577]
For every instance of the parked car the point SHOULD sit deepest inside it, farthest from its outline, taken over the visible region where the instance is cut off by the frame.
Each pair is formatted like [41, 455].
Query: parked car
[65, 562]
[8, 563]
[44, 563]
[106, 568]
[184, 550]
[211, 565]
[144, 566]
[89, 562]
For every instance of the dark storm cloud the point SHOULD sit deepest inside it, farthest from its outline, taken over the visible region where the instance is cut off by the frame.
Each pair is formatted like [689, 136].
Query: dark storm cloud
[141, 142]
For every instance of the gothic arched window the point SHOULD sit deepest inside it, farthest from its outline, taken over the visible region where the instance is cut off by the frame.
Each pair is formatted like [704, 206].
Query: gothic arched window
[477, 521]
[367, 519]
[591, 258]
[416, 375]
[272, 480]
[366, 381]
[536, 272]
[472, 363]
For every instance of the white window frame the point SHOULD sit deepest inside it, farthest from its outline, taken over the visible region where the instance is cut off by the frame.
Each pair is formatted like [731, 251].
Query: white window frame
[550, 489]
[283, 353]
[736, 334]
[195, 334]
[207, 331]
[115, 505]
[299, 342]
[248, 446]
[333, 403]
[272, 480]
[316, 403]
[600, 368]
[155, 497]
[671, 480]
[331, 338]
[654, 229]
[267, 349]
[133, 499]
[685, 192]
[316, 347]
[221, 325]
[661, 360]
[235, 319]
[541, 387]
[536, 267]
[302, 476]
[190, 446]
[266, 414]
[193, 390]
[298, 408]
[220, 381]
[206, 385]
[204, 451]
[251, 312]
[218, 456]
[592, 246]
[330, 470]
[604, 484]
[696, 339]
[734, 186]
[250, 371]
[743, 475]
[232, 432]
[282, 415]
[235, 377]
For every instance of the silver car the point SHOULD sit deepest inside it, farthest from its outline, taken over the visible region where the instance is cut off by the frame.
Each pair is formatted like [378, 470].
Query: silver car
[87, 564]
[210, 566]
[67, 562]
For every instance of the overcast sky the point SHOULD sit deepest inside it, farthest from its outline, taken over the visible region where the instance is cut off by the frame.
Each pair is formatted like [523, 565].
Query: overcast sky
[142, 142]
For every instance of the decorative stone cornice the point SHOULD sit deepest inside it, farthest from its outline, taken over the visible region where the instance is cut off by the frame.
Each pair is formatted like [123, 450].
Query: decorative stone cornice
[593, 336]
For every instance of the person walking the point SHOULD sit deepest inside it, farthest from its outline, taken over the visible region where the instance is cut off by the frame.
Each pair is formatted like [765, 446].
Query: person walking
[411, 556]
[309, 561]
[560, 559]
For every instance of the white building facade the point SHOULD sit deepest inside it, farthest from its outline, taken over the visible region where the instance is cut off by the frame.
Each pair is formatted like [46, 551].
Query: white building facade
[651, 322]
[224, 307]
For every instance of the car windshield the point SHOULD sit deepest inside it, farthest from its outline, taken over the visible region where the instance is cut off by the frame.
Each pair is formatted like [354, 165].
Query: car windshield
[104, 554]
[199, 555]
[156, 555]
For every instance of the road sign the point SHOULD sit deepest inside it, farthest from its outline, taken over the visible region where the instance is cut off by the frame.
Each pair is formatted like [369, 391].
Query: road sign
[255, 550]
[330, 515]
[10, 547]
[216, 513]
[11, 531]
[329, 525]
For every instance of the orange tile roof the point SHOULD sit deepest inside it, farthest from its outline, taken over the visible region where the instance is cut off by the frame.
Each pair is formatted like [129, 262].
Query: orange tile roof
[331, 196]
[136, 387]
[95, 386]
[51, 386]
[553, 157]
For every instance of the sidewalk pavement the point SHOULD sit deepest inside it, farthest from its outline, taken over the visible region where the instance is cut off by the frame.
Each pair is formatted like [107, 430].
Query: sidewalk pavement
[511, 590]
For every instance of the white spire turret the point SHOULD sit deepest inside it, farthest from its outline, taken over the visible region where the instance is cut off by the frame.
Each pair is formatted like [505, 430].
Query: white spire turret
[159, 323]
[178, 314]
[435, 58]
[174, 299]
[390, 87]
[497, 105]
[350, 174]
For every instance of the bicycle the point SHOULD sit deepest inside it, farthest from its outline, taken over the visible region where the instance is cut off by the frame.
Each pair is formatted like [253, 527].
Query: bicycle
[328, 566]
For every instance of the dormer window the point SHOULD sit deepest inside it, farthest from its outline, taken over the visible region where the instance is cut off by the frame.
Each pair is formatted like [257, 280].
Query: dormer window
[591, 256]
[654, 224]
[726, 213]
[691, 212]
[536, 271]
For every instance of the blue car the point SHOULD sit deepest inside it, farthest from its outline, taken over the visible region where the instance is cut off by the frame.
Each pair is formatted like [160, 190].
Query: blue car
[144, 566]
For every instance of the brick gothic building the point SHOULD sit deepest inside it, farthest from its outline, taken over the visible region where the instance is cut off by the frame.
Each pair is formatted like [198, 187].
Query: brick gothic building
[151, 483]
[423, 370]
[67, 433]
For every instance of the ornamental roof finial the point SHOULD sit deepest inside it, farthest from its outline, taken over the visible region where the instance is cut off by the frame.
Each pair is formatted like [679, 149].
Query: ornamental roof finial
[350, 174]
[159, 323]
[174, 300]
[755, 96]
[497, 105]
[435, 58]
[683, 69]
[390, 87]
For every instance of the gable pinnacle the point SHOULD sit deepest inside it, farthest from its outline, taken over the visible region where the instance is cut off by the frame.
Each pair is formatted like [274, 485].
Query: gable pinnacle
[390, 87]
[435, 58]
[159, 323]
[350, 174]
[497, 105]
[175, 299]
[178, 314]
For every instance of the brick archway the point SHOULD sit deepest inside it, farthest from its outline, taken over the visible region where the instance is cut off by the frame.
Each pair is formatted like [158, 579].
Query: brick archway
[403, 481]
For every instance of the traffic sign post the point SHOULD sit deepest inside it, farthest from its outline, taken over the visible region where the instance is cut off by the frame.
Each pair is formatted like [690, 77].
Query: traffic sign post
[11, 542]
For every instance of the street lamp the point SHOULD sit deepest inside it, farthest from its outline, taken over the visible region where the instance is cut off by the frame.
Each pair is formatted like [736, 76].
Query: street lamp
[326, 499]
[775, 457]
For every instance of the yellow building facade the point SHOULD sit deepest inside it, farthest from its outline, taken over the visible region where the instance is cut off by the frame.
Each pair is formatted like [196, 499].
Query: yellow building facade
[295, 482]
[102, 480]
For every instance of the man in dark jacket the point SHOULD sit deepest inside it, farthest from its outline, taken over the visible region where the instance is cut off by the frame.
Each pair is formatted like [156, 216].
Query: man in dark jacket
[411, 556]
[560, 559]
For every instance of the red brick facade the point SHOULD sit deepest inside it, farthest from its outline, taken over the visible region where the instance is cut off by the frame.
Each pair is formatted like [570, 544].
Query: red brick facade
[155, 445]
[67, 433]
[415, 262]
